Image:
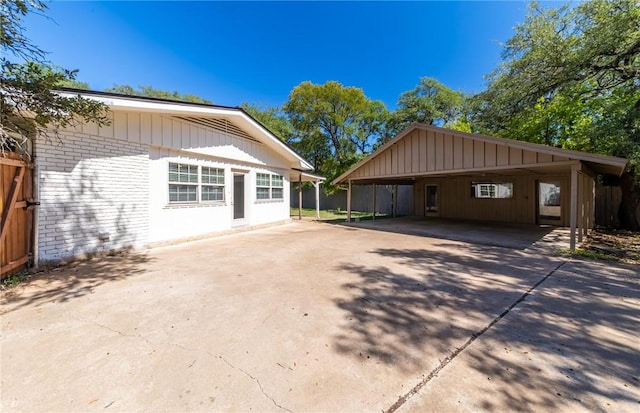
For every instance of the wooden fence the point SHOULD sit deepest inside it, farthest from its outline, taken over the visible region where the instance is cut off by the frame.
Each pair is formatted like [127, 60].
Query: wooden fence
[15, 226]
[607, 204]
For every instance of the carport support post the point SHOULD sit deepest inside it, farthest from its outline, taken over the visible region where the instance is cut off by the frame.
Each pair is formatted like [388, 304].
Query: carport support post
[374, 202]
[394, 200]
[573, 212]
[349, 202]
[317, 185]
[300, 197]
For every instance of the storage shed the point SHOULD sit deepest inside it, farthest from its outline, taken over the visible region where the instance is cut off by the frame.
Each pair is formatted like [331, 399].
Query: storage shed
[476, 177]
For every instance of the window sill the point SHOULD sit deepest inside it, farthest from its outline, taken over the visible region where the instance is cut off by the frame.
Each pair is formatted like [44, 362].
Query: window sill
[269, 201]
[178, 205]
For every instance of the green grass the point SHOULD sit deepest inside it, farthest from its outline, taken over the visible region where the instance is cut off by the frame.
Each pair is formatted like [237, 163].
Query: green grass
[15, 279]
[334, 214]
[594, 255]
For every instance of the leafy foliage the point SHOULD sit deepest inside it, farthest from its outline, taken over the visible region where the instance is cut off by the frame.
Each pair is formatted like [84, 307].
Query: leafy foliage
[273, 119]
[571, 79]
[334, 125]
[149, 91]
[430, 102]
[29, 106]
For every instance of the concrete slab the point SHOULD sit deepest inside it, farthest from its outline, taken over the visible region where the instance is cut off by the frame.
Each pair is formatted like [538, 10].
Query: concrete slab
[572, 345]
[302, 317]
[514, 236]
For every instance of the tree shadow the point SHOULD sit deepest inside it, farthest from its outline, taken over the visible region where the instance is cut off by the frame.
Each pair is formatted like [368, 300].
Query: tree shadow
[417, 311]
[515, 236]
[75, 280]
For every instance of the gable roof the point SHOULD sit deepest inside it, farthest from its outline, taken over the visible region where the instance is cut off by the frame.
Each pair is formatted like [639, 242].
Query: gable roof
[599, 163]
[246, 123]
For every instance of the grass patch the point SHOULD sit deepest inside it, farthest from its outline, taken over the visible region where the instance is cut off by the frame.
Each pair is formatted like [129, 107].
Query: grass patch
[331, 214]
[594, 255]
[15, 279]
[609, 244]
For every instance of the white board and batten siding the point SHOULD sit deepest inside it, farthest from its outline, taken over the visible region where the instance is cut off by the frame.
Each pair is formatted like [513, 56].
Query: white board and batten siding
[106, 187]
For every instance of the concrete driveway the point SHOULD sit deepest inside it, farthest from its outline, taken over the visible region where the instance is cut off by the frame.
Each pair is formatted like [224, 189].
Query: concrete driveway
[323, 318]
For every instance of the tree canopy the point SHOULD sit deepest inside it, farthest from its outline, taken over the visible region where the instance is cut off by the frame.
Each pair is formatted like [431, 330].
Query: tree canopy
[152, 92]
[29, 106]
[571, 78]
[334, 126]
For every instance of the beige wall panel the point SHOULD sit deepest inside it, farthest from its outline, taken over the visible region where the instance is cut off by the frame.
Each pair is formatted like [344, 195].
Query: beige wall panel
[107, 130]
[378, 165]
[559, 158]
[515, 156]
[407, 154]
[400, 156]
[467, 153]
[394, 159]
[156, 130]
[185, 136]
[133, 127]
[489, 154]
[423, 150]
[431, 151]
[418, 198]
[415, 152]
[120, 125]
[439, 152]
[388, 170]
[90, 128]
[145, 128]
[502, 155]
[176, 134]
[448, 152]
[167, 126]
[544, 157]
[478, 154]
[458, 152]
[529, 157]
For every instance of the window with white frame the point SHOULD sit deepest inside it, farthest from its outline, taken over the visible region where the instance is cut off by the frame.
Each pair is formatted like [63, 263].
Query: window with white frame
[491, 190]
[269, 186]
[193, 183]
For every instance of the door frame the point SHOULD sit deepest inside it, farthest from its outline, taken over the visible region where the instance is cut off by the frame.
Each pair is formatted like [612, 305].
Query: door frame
[239, 221]
[540, 220]
[435, 213]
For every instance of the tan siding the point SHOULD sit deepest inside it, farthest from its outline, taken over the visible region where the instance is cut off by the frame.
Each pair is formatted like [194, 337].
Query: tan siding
[415, 153]
[559, 158]
[502, 153]
[423, 150]
[439, 152]
[515, 156]
[467, 153]
[431, 151]
[544, 157]
[458, 152]
[402, 165]
[478, 154]
[407, 154]
[107, 130]
[448, 152]
[490, 154]
[529, 157]
[394, 159]
[388, 170]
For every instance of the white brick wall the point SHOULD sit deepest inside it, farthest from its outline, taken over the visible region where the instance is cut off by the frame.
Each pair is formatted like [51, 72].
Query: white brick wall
[91, 187]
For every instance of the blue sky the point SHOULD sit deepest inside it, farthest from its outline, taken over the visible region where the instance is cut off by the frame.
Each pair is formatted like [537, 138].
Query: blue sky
[231, 52]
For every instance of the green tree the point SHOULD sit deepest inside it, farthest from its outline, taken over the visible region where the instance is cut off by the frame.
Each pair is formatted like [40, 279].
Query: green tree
[570, 78]
[334, 125]
[273, 119]
[30, 106]
[149, 91]
[430, 102]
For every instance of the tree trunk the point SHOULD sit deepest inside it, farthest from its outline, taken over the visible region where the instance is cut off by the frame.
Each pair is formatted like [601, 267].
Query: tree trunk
[627, 213]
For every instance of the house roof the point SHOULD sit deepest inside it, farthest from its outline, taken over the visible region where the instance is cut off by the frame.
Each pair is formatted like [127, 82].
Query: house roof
[599, 163]
[240, 117]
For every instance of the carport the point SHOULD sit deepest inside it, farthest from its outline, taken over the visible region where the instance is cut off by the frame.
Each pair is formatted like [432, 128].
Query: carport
[460, 175]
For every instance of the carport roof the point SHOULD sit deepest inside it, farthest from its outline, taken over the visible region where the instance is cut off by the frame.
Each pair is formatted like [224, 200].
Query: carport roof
[477, 157]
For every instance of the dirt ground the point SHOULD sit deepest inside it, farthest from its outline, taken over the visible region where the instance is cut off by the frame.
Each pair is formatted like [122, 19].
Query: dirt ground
[316, 317]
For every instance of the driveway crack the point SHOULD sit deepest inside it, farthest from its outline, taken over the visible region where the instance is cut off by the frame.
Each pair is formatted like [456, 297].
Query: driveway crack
[257, 382]
[474, 336]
